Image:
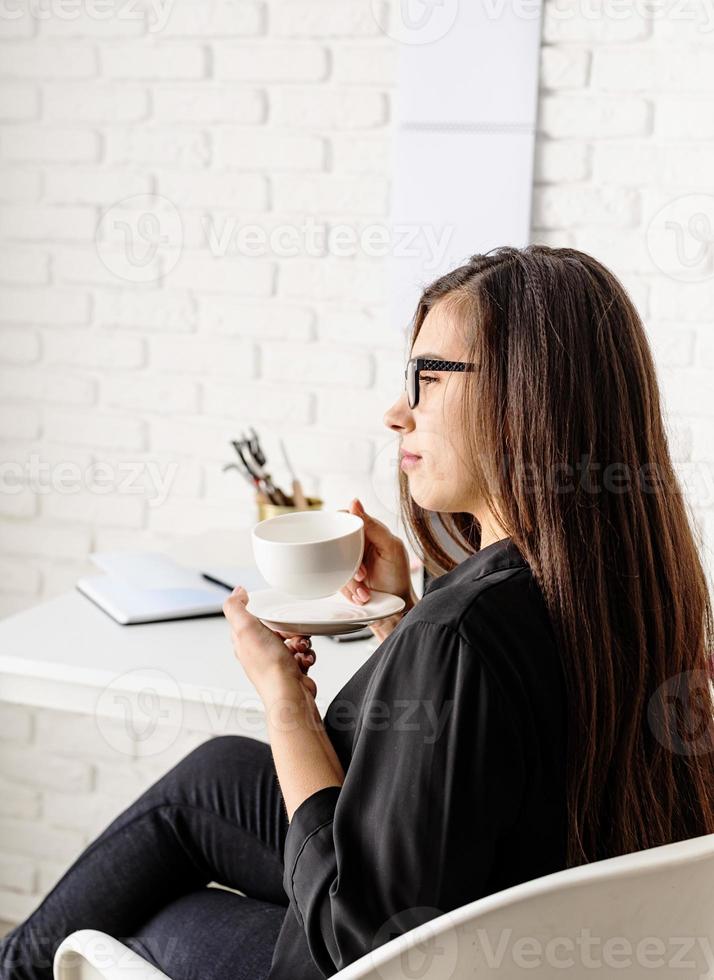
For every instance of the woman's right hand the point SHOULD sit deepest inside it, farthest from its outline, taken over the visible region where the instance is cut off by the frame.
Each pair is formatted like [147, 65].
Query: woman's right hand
[385, 567]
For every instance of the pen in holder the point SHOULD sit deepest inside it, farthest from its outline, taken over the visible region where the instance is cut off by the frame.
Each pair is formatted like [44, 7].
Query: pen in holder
[270, 500]
[266, 509]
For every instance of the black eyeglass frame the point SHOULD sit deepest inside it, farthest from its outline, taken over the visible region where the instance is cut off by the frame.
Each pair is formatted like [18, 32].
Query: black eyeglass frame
[415, 365]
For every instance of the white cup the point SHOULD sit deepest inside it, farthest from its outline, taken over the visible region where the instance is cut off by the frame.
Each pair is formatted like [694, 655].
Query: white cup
[309, 554]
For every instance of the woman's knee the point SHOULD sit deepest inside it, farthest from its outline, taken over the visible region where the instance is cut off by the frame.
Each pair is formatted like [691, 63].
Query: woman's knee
[228, 751]
[223, 758]
[211, 931]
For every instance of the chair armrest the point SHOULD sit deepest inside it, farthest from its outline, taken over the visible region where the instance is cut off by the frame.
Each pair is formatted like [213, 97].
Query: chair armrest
[91, 955]
[432, 949]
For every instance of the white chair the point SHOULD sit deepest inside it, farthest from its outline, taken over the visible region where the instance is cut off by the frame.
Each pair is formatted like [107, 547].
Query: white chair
[640, 915]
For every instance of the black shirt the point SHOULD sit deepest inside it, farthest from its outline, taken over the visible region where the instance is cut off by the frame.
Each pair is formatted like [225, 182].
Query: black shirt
[452, 738]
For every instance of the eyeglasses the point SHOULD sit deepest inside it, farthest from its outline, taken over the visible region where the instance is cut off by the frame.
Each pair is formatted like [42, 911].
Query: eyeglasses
[417, 364]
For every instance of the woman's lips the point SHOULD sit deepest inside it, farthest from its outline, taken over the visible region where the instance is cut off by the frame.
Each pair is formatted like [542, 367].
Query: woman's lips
[408, 460]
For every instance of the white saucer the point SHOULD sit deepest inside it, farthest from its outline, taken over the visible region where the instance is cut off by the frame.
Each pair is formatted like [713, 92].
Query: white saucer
[330, 616]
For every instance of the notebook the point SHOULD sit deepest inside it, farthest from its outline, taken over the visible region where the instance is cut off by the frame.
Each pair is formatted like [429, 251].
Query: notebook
[148, 587]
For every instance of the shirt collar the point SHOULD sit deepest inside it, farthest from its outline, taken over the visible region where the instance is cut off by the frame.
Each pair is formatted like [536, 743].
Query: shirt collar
[494, 557]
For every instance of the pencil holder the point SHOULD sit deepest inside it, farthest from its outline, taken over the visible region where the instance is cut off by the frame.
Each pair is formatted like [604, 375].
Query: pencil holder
[266, 510]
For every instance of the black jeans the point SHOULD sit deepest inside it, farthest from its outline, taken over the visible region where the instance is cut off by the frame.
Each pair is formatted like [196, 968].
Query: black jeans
[217, 816]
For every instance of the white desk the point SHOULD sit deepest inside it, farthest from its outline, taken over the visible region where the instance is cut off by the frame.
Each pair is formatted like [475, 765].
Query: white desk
[68, 654]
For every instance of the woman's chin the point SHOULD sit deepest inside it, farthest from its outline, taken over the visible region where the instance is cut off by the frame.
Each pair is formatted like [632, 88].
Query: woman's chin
[430, 491]
[424, 496]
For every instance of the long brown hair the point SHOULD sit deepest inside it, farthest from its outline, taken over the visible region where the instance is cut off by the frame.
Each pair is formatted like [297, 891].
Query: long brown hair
[565, 384]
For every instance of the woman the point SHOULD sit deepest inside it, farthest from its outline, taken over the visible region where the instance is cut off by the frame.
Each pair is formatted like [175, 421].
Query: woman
[516, 720]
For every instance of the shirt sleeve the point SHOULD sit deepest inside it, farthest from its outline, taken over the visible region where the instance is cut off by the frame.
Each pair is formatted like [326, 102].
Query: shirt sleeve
[436, 774]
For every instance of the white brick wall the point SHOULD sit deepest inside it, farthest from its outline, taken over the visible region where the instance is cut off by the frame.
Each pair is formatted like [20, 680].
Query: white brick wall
[625, 129]
[243, 115]
[266, 115]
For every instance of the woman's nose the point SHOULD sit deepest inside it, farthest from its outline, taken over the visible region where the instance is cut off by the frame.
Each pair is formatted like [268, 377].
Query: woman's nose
[399, 417]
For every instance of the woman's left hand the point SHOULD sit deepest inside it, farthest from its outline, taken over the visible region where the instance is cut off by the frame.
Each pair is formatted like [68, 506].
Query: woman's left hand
[272, 660]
